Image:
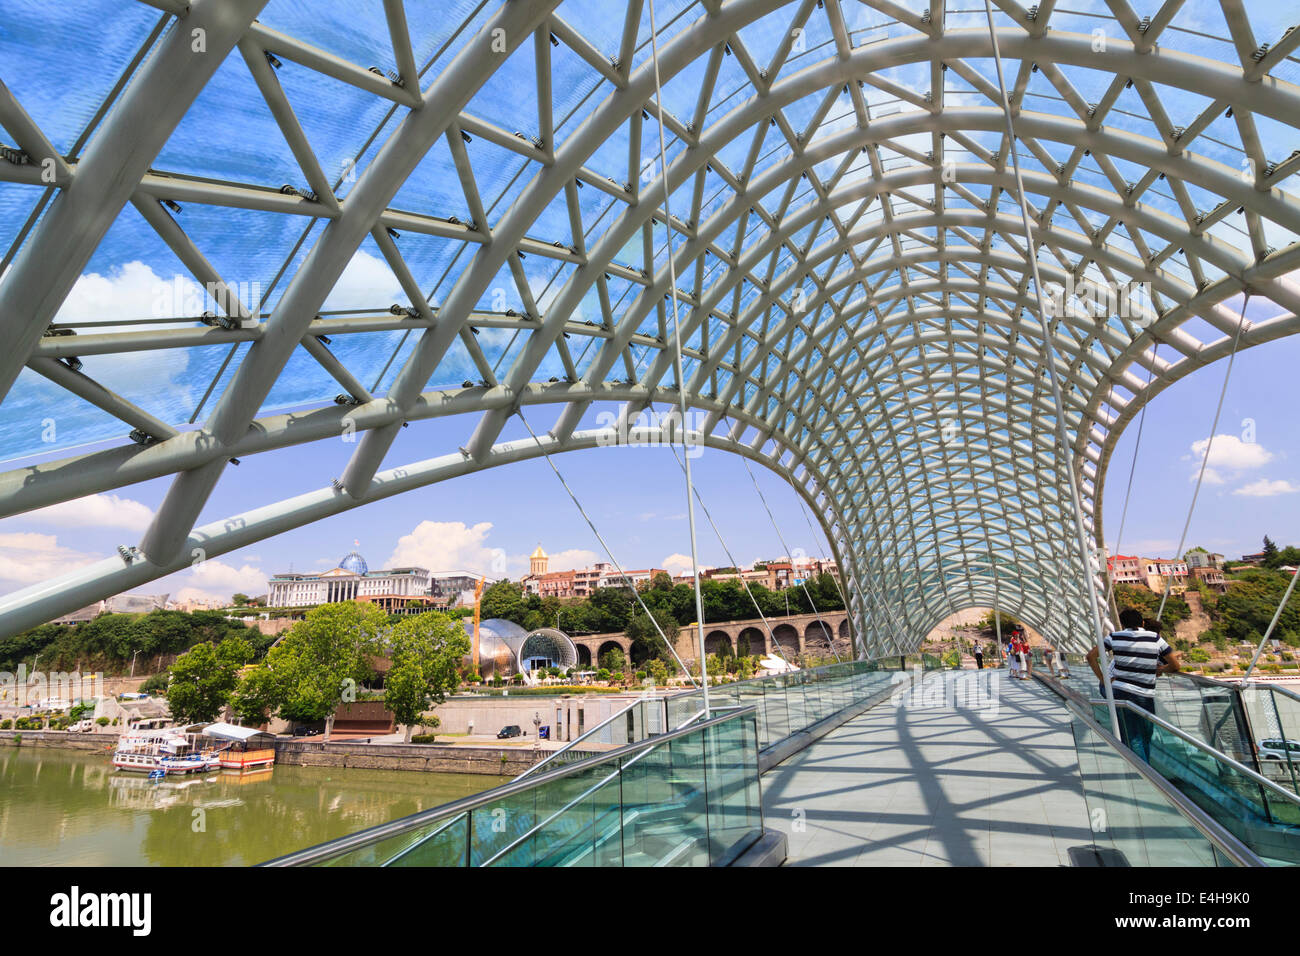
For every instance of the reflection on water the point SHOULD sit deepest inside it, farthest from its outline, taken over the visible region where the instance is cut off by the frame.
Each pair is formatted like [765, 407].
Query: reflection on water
[68, 807]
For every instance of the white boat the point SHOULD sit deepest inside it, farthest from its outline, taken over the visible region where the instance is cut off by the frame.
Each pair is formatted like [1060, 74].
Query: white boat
[164, 752]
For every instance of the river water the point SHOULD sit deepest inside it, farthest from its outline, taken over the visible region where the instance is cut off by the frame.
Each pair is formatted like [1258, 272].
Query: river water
[60, 807]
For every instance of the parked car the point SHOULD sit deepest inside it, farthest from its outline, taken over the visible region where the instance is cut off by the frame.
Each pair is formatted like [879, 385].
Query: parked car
[510, 730]
[82, 727]
[1276, 749]
[306, 732]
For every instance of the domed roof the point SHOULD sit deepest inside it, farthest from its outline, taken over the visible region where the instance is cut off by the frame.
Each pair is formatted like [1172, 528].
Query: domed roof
[354, 562]
[539, 553]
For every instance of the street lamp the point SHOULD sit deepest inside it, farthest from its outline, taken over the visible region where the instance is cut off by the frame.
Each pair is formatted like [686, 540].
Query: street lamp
[133, 653]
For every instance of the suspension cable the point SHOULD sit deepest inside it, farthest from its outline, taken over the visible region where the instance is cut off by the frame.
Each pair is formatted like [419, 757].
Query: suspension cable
[866, 580]
[1272, 624]
[1062, 436]
[677, 352]
[608, 553]
[1128, 491]
[811, 603]
[813, 532]
[732, 558]
[1209, 446]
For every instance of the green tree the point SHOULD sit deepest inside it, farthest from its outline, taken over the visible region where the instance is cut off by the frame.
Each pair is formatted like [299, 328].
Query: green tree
[658, 672]
[425, 651]
[504, 599]
[317, 665]
[613, 660]
[203, 679]
[1270, 551]
[647, 644]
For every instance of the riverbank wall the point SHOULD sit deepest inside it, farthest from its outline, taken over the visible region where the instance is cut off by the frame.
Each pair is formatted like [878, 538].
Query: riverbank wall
[430, 758]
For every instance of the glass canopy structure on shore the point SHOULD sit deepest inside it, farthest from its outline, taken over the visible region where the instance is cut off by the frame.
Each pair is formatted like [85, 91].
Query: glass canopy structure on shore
[231, 227]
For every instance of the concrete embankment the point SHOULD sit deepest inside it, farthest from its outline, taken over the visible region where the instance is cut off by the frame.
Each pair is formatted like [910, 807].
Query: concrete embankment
[431, 758]
[91, 743]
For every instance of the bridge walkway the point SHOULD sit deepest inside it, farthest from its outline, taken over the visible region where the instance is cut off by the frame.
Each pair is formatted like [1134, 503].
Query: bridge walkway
[937, 782]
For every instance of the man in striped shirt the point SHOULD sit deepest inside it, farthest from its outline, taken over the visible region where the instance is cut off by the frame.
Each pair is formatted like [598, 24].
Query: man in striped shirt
[1137, 657]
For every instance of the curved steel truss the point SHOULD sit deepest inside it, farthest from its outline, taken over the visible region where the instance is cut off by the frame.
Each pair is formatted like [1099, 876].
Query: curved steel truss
[852, 271]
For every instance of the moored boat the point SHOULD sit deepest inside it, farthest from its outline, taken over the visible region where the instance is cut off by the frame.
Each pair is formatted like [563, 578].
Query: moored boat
[245, 748]
[165, 752]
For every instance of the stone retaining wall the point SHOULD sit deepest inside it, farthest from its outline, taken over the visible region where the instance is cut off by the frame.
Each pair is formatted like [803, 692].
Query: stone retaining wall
[435, 758]
[96, 743]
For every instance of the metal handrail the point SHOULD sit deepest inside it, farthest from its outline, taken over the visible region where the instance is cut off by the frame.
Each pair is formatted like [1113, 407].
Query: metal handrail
[1201, 745]
[1213, 831]
[393, 828]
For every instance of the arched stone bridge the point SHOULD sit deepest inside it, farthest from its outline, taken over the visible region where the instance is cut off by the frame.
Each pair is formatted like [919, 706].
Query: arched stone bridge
[797, 634]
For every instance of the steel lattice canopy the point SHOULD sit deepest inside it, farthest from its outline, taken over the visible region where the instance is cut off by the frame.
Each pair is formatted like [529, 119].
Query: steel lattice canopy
[429, 209]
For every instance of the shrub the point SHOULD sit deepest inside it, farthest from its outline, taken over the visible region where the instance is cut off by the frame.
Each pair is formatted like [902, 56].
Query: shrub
[6, 724]
[424, 738]
[18, 739]
[156, 683]
[103, 721]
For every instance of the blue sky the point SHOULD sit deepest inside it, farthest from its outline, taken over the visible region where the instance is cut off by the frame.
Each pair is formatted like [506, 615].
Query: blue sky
[636, 496]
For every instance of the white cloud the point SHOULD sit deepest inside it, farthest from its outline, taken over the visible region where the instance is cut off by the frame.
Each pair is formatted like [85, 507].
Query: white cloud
[95, 511]
[676, 563]
[1228, 457]
[1266, 488]
[201, 596]
[449, 546]
[571, 559]
[446, 546]
[135, 291]
[130, 291]
[27, 557]
[227, 578]
[366, 283]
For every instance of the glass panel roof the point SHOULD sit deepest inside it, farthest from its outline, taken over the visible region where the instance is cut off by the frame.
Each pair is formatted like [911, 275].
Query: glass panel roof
[367, 208]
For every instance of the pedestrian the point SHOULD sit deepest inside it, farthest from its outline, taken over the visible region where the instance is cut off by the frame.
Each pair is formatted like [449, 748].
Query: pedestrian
[1013, 659]
[1138, 655]
[979, 657]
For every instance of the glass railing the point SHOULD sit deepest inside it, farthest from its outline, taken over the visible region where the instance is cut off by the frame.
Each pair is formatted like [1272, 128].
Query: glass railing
[677, 793]
[1209, 710]
[1274, 716]
[641, 719]
[686, 798]
[1137, 818]
[1262, 814]
[789, 703]
[1257, 724]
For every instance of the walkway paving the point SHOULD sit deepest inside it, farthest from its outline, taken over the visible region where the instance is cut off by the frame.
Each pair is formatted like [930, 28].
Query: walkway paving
[935, 781]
